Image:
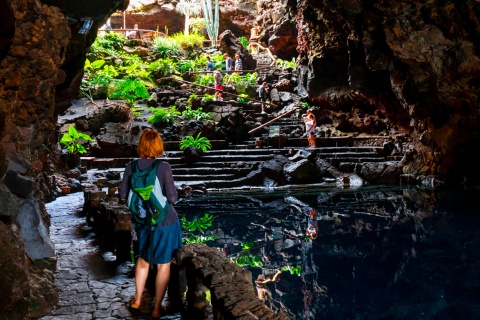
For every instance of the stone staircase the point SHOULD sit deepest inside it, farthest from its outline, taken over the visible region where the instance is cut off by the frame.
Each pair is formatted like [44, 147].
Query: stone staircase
[240, 165]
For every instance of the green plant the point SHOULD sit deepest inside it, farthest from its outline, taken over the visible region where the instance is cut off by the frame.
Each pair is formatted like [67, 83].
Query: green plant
[134, 67]
[286, 64]
[197, 25]
[107, 45]
[247, 245]
[191, 41]
[249, 261]
[165, 47]
[186, 65]
[242, 98]
[200, 143]
[243, 41]
[162, 116]
[205, 80]
[163, 68]
[208, 97]
[293, 270]
[129, 90]
[189, 114]
[73, 140]
[198, 225]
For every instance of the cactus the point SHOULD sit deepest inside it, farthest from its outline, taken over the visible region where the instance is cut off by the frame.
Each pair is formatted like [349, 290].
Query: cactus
[211, 19]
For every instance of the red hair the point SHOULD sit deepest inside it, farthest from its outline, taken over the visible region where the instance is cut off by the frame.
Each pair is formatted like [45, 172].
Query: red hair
[150, 144]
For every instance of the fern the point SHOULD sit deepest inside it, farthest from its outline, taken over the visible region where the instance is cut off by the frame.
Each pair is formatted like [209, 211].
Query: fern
[162, 116]
[200, 143]
[129, 90]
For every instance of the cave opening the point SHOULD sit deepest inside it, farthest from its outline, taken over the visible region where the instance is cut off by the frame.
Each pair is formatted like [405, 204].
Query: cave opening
[7, 28]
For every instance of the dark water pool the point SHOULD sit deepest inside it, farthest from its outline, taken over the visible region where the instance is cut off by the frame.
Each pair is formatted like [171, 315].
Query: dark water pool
[379, 253]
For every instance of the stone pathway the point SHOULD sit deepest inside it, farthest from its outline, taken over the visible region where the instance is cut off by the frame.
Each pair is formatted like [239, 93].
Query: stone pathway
[91, 284]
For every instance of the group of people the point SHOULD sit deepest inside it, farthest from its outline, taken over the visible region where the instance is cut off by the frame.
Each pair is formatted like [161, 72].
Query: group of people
[230, 66]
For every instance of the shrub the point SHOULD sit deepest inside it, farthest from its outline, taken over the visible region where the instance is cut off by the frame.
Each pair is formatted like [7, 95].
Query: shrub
[191, 41]
[163, 116]
[200, 143]
[129, 90]
[243, 41]
[163, 68]
[208, 97]
[198, 114]
[73, 140]
[165, 47]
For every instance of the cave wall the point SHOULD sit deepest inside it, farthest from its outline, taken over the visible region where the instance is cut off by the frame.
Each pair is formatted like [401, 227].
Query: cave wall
[415, 62]
[41, 63]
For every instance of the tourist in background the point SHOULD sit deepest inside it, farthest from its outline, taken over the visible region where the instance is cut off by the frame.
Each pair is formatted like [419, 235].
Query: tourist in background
[217, 76]
[238, 63]
[263, 95]
[210, 66]
[156, 243]
[228, 63]
[310, 126]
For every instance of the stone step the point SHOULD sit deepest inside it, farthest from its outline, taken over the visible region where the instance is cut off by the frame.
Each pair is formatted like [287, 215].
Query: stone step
[336, 161]
[202, 177]
[343, 155]
[209, 170]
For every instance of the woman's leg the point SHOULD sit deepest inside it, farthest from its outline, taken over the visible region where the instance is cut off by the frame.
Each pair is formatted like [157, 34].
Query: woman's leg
[141, 274]
[161, 283]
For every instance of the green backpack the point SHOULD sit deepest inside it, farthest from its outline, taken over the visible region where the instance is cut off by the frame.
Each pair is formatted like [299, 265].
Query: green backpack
[146, 201]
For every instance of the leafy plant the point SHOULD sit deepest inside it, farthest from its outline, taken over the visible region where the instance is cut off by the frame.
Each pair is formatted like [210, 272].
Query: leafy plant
[107, 45]
[286, 64]
[129, 90]
[165, 47]
[134, 67]
[163, 116]
[293, 270]
[243, 41]
[73, 140]
[205, 80]
[190, 41]
[247, 245]
[208, 97]
[197, 225]
[186, 65]
[163, 67]
[198, 114]
[249, 261]
[200, 143]
[242, 98]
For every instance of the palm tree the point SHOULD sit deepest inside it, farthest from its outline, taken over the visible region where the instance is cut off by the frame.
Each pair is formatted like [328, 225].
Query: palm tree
[189, 8]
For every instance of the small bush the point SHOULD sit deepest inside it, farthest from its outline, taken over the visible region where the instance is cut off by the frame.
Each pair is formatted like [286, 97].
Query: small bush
[165, 47]
[163, 116]
[192, 41]
[200, 143]
[198, 114]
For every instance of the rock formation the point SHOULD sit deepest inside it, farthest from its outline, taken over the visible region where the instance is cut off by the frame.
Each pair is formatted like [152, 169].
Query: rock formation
[41, 61]
[414, 64]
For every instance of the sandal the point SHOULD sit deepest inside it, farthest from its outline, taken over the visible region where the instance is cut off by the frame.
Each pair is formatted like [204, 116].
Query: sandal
[134, 305]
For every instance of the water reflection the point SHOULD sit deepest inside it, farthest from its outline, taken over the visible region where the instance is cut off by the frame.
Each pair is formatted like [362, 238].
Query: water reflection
[369, 253]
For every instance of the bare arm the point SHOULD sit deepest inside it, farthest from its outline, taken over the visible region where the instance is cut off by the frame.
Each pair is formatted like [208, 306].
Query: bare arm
[124, 189]
[170, 190]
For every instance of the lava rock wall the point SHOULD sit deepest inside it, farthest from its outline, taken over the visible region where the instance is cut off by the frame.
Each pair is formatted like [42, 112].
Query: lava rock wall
[40, 51]
[414, 64]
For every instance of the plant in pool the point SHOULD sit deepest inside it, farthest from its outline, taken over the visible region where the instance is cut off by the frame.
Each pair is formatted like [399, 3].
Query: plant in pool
[199, 143]
[293, 270]
[249, 261]
[208, 97]
[163, 116]
[189, 114]
[198, 226]
[247, 245]
[129, 90]
[73, 141]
